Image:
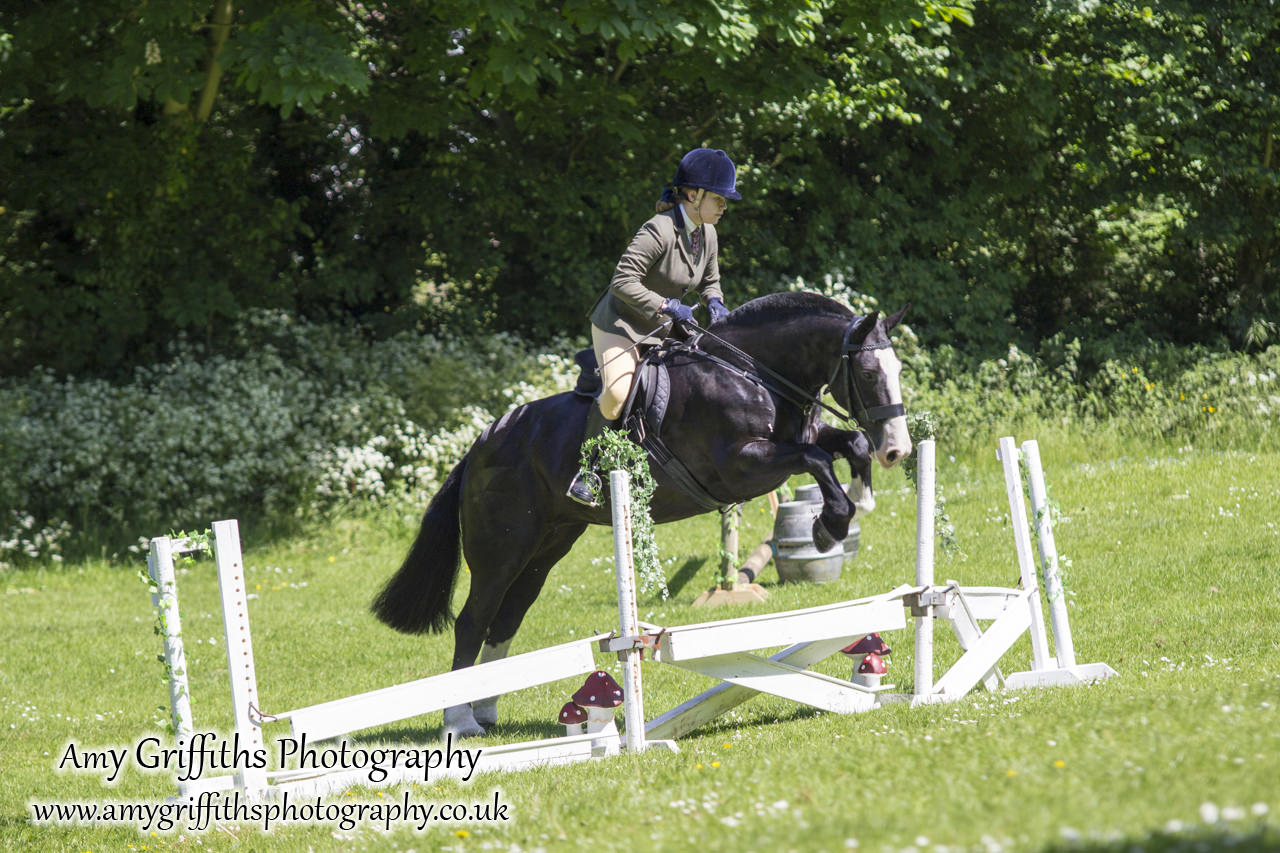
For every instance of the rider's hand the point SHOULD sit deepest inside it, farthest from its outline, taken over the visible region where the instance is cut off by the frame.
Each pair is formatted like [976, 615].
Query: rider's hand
[717, 309]
[677, 309]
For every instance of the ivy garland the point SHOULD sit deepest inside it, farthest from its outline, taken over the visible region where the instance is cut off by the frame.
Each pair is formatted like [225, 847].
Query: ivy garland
[202, 540]
[1049, 511]
[612, 450]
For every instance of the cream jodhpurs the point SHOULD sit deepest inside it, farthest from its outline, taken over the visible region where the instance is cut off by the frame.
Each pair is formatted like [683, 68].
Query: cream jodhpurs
[618, 358]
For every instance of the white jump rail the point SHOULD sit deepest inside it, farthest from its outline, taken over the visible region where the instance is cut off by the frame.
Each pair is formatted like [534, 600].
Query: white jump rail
[353, 713]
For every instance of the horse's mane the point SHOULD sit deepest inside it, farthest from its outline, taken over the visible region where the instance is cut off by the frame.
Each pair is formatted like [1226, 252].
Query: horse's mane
[777, 307]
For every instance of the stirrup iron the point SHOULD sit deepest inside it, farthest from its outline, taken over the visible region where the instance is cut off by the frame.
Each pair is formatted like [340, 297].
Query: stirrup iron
[584, 488]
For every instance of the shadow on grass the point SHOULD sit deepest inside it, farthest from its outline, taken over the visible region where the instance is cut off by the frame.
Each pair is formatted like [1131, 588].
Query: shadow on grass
[433, 733]
[684, 575]
[1259, 838]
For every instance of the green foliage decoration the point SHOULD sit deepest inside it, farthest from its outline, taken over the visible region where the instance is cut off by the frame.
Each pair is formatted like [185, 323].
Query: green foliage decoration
[922, 426]
[613, 450]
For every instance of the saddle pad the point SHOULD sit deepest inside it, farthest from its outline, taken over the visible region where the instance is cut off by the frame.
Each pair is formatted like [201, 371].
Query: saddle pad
[645, 411]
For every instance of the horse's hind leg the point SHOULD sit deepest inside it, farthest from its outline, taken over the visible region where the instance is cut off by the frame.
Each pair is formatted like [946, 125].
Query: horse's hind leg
[495, 608]
[516, 603]
[467, 639]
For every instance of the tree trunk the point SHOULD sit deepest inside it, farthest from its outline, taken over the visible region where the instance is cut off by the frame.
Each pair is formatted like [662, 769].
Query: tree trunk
[219, 29]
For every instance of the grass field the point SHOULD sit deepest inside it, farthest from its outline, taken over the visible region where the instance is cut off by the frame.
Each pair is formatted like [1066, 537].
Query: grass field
[1173, 551]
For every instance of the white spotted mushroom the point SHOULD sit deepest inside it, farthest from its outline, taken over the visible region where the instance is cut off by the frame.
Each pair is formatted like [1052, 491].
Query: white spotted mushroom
[599, 696]
[573, 717]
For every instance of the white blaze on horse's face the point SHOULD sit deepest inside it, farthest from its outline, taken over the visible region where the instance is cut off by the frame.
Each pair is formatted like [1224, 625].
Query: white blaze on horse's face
[896, 442]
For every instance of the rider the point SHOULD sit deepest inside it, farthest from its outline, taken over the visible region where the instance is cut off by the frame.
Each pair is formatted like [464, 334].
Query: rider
[673, 253]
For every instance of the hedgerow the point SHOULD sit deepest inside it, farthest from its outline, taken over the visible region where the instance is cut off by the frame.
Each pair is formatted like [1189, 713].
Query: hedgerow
[294, 421]
[298, 420]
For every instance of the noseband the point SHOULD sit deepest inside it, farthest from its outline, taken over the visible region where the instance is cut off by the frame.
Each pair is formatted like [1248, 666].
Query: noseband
[865, 415]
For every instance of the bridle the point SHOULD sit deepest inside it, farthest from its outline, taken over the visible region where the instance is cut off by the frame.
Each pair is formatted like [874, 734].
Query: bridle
[866, 416]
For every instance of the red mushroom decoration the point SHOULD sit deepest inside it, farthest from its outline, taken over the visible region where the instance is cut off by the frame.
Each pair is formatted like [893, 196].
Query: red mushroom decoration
[599, 695]
[870, 644]
[870, 670]
[572, 717]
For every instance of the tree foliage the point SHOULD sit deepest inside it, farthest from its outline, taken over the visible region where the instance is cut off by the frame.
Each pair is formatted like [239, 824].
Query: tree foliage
[1017, 171]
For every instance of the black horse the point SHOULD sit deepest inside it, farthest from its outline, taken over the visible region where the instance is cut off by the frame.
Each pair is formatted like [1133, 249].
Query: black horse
[741, 428]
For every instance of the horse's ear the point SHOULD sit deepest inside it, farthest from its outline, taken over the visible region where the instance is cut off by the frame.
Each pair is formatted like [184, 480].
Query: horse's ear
[863, 328]
[895, 319]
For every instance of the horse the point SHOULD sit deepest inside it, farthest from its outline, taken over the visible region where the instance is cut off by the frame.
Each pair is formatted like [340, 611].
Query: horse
[742, 421]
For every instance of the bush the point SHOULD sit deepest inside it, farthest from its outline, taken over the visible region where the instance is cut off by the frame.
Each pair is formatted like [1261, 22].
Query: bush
[295, 420]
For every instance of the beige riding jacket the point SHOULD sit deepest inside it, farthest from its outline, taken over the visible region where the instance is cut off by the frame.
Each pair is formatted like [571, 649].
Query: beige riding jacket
[656, 266]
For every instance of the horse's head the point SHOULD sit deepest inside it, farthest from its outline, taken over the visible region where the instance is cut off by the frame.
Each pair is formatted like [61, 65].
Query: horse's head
[871, 389]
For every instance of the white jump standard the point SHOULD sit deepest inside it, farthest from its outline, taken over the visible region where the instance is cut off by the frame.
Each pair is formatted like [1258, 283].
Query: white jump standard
[723, 650]
[1010, 612]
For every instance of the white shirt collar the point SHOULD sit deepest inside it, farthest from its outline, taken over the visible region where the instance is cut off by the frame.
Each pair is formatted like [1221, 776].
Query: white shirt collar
[689, 227]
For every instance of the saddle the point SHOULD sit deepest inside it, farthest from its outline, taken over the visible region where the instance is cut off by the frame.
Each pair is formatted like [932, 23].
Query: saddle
[644, 412]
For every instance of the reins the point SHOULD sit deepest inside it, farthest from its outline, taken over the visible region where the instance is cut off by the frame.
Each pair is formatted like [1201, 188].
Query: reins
[791, 392]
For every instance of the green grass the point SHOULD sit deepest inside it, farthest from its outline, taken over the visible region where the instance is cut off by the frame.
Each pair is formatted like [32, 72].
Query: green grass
[1173, 558]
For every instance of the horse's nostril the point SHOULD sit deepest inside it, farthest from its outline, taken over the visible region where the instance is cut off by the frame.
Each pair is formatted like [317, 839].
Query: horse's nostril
[892, 456]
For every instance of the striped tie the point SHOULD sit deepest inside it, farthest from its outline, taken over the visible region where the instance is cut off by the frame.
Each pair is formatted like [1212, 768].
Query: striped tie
[695, 243]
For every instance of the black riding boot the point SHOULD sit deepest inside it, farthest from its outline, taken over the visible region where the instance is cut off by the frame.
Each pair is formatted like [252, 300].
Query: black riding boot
[585, 487]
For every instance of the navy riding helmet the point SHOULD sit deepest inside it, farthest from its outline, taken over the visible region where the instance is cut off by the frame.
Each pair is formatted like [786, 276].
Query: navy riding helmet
[709, 169]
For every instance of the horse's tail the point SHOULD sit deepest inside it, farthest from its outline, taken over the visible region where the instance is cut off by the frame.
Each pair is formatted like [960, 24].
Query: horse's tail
[417, 597]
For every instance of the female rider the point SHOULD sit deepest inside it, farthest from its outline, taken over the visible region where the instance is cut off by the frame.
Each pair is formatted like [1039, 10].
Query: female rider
[673, 253]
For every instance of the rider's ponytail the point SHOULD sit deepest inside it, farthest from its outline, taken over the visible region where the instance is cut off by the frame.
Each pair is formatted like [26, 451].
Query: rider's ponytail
[671, 196]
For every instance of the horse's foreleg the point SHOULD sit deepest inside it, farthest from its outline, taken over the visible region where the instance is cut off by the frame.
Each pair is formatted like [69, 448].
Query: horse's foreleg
[856, 448]
[782, 460]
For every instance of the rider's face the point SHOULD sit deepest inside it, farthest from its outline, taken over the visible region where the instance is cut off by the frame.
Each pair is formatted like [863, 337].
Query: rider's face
[712, 207]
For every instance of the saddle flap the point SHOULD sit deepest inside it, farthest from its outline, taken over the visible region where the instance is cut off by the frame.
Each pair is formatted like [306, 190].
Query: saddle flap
[589, 383]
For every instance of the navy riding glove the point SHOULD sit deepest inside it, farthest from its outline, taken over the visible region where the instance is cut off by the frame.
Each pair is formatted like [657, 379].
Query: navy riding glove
[677, 309]
[715, 306]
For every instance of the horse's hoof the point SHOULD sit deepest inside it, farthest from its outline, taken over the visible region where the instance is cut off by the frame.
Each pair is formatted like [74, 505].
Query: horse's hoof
[460, 722]
[474, 729]
[485, 711]
[822, 538]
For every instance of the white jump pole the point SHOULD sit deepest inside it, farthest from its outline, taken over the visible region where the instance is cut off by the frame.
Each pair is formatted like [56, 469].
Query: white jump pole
[165, 600]
[628, 611]
[232, 586]
[925, 503]
[1063, 645]
[1026, 563]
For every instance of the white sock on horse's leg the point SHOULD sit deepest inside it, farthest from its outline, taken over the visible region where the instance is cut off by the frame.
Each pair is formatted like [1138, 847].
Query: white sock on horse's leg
[459, 721]
[486, 710]
[863, 498]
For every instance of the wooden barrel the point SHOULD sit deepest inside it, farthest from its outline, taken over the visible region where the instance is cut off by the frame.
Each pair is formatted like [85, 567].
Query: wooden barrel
[794, 554]
[810, 493]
